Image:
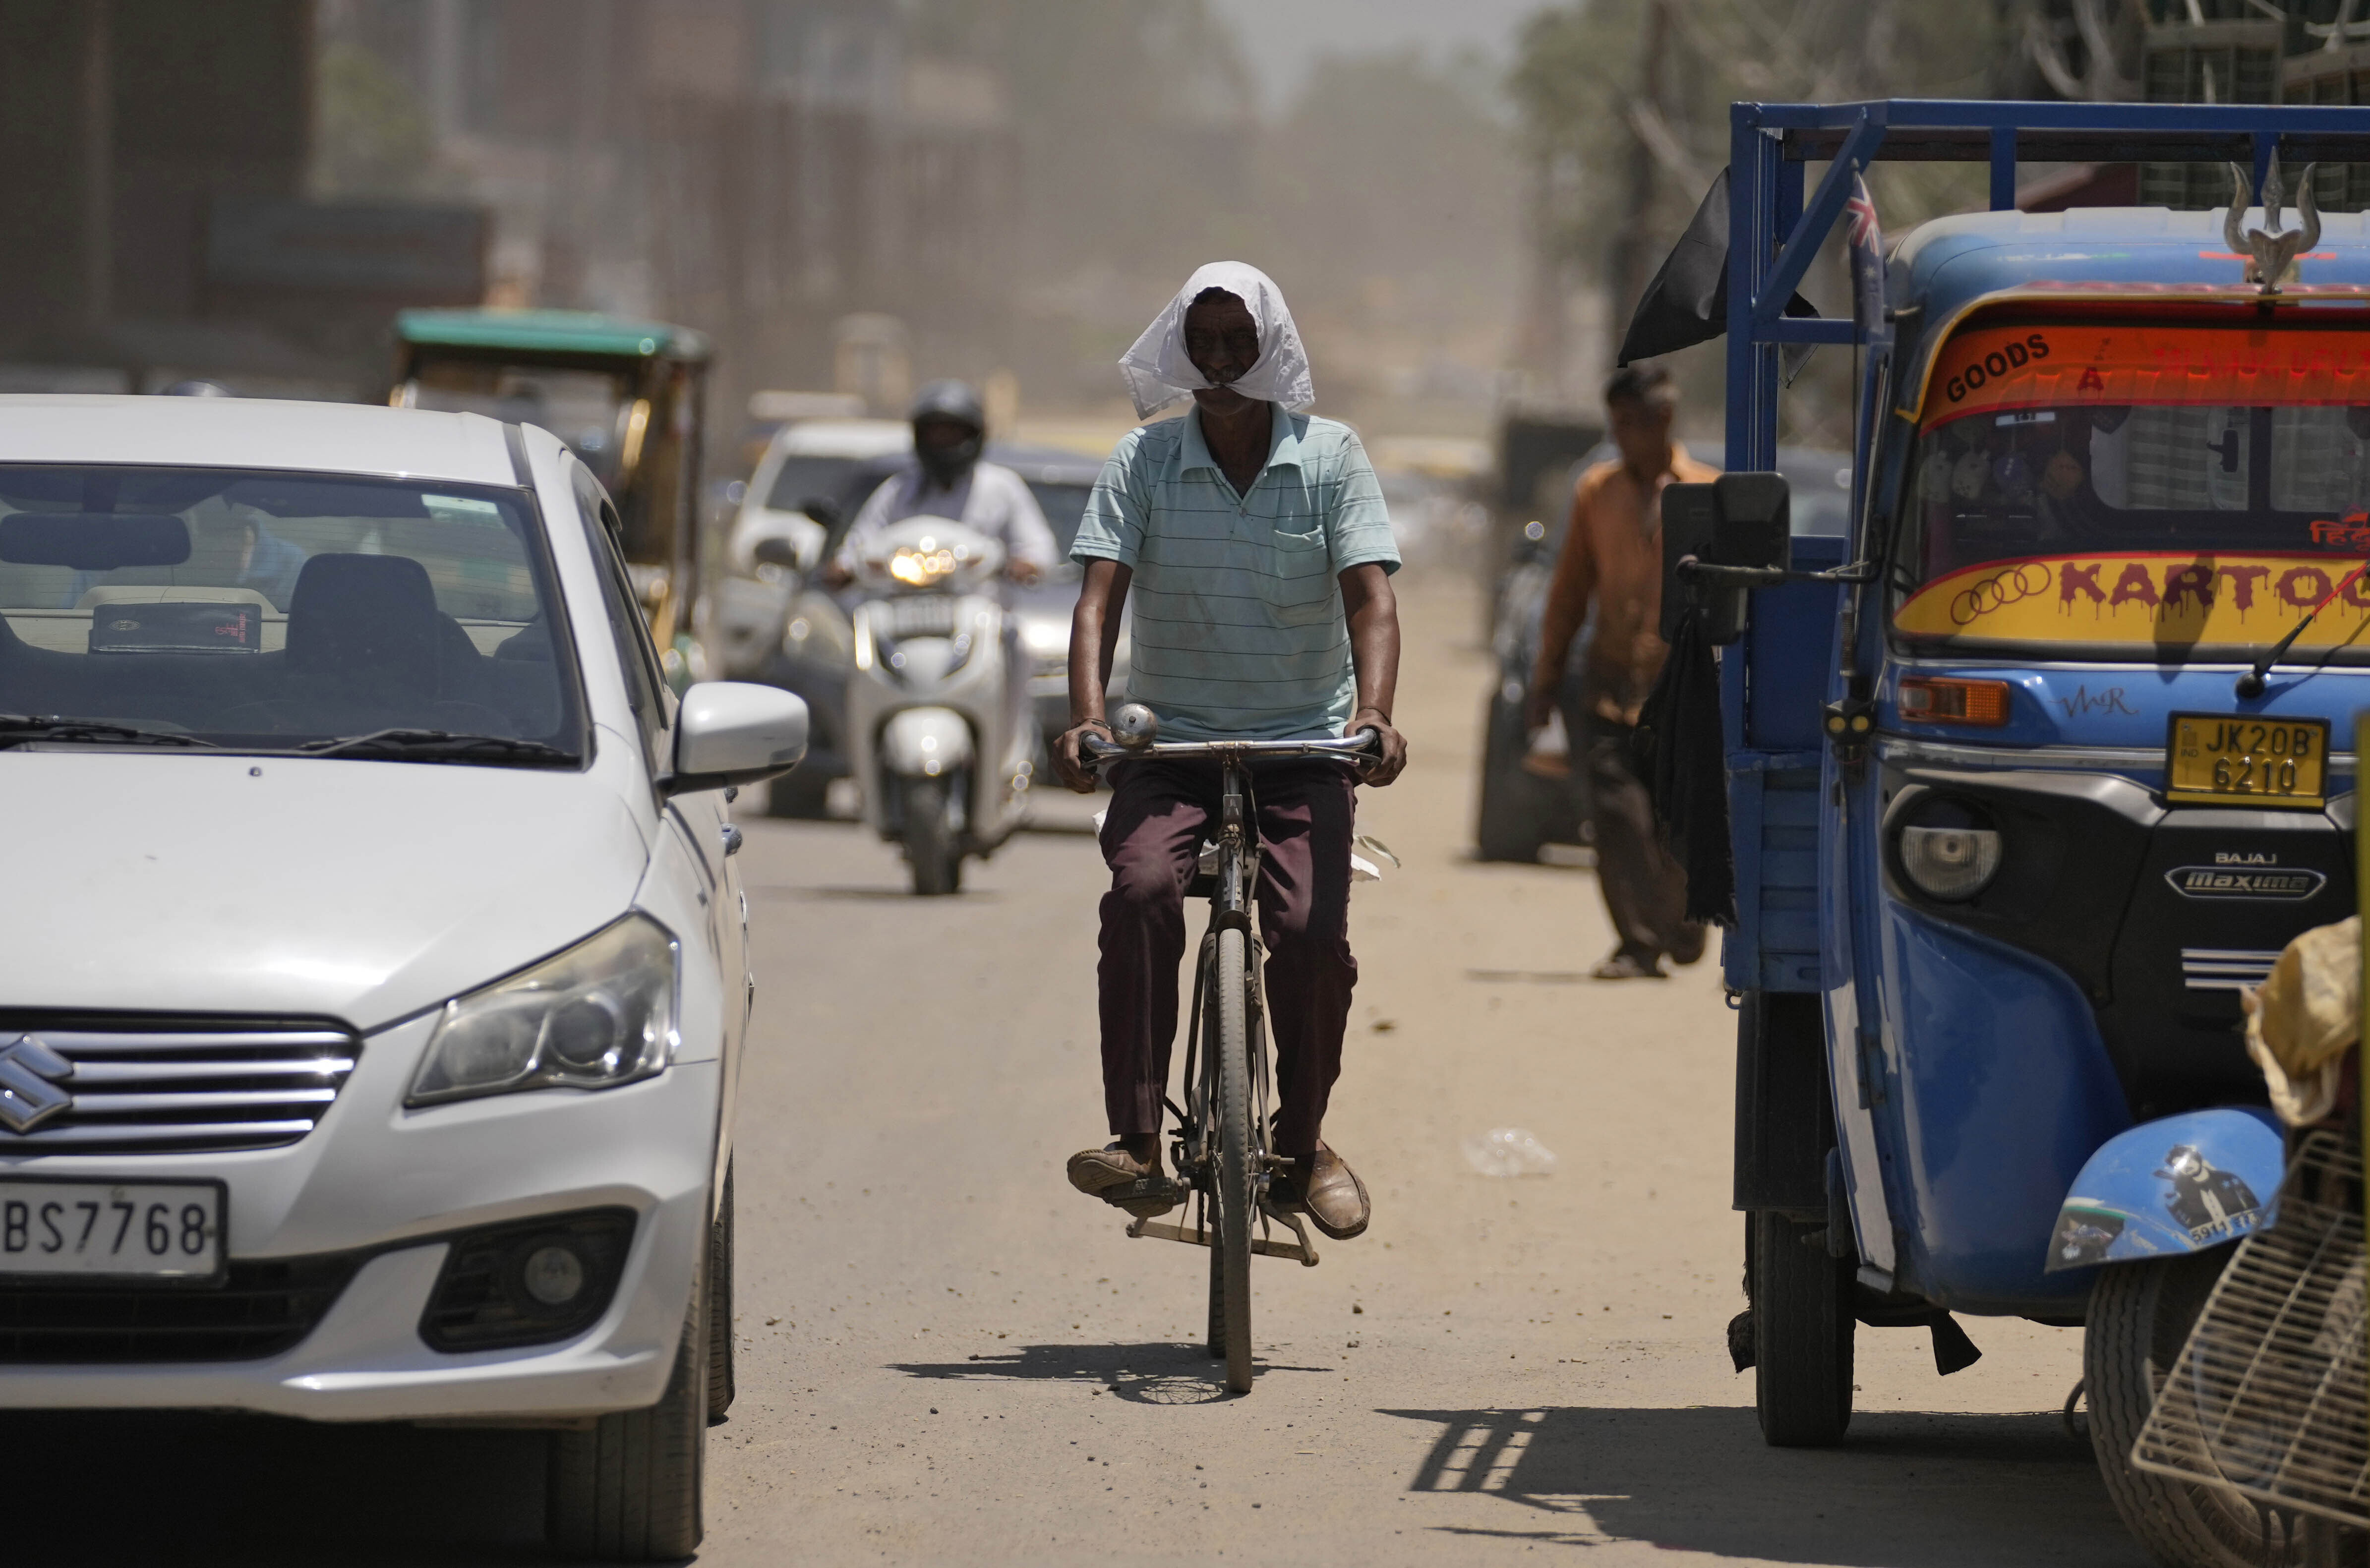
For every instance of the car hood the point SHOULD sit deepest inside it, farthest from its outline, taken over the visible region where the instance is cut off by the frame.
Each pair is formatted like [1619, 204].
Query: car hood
[359, 890]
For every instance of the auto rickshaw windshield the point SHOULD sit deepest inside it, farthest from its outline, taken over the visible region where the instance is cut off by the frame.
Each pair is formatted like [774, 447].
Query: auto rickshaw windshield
[593, 411]
[2139, 488]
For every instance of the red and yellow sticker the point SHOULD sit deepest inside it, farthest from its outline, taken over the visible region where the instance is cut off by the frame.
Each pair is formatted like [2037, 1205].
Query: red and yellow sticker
[2181, 598]
[2125, 362]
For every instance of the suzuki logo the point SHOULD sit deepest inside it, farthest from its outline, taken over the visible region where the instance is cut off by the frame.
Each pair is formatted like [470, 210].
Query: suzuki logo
[29, 1075]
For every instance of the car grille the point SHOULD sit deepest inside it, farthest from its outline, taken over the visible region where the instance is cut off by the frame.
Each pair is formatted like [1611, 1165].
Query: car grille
[264, 1308]
[165, 1086]
[2225, 968]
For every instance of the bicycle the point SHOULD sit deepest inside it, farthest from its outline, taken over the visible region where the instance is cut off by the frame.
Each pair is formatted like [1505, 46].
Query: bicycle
[1220, 1153]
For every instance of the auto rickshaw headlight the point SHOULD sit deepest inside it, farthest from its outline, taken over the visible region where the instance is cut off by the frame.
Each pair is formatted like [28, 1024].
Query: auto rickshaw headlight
[1951, 854]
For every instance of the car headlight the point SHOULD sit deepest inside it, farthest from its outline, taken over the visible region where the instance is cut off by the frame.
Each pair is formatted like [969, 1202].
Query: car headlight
[1950, 852]
[597, 1016]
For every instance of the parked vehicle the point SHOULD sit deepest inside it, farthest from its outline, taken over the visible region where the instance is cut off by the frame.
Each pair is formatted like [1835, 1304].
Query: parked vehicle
[1061, 481]
[2031, 772]
[938, 713]
[1527, 804]
[628, 397]
[774, 624]
[799, 636]
[387, 1073]
[837, 460]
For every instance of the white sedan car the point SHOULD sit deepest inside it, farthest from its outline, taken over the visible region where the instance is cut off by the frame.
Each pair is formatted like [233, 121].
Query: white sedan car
[368, 1049]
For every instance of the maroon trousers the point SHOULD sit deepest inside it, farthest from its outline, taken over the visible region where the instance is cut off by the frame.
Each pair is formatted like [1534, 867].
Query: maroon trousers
[1160, 813]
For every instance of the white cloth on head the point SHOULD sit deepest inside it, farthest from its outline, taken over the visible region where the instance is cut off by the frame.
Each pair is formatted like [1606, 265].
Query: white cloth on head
[1158, 372]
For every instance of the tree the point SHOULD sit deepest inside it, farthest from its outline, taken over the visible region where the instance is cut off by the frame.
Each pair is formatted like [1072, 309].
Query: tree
[1583, 102]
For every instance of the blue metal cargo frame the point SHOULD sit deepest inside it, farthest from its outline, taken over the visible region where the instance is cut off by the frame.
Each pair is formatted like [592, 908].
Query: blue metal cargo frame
[1773, 235]
[1774, 751]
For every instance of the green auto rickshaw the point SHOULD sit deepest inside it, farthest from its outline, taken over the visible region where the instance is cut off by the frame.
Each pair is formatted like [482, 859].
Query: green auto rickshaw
[628, 396]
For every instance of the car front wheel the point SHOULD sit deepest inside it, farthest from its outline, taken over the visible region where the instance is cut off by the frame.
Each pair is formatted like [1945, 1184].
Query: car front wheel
[628, 1488]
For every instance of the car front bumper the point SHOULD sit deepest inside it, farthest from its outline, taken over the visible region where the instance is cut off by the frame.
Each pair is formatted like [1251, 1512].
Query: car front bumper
[391, 1186]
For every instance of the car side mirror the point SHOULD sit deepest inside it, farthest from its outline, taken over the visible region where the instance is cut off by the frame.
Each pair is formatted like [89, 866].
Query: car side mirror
[824, 509]
[732, 732]
[1738, 520]
[776, 550]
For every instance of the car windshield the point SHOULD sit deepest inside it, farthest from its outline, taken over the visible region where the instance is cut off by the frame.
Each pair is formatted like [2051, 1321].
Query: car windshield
[803, 479]
[1064, 506]
[270, 610]
[2151, 489]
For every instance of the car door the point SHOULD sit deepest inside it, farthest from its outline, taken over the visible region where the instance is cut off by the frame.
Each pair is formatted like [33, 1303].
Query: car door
[697, 839]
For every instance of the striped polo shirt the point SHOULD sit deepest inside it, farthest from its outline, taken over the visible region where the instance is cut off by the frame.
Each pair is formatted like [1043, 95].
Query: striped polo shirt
[1238, 625]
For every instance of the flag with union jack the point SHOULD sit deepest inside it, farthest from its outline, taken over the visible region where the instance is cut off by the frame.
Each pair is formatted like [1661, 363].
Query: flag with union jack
[1867, 240]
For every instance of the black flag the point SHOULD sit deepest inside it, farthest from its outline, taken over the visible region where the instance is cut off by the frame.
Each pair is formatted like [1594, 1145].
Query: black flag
[1687, 302]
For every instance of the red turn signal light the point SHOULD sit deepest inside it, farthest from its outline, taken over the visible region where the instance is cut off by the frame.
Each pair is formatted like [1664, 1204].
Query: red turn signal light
[1926, 700]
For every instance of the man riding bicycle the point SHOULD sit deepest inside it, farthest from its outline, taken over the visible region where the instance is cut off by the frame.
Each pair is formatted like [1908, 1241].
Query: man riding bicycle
[1258, 546]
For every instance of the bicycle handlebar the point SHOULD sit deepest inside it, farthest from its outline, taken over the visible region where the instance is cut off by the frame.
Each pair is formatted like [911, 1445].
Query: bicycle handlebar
[1364, 746]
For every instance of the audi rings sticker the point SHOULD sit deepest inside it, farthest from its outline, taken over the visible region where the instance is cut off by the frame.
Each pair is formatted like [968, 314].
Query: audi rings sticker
[2185, 598]
[1996, 591]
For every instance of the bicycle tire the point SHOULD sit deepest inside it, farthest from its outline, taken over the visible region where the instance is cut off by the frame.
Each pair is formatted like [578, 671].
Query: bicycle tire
[1230, 1031]
[1217, 1335]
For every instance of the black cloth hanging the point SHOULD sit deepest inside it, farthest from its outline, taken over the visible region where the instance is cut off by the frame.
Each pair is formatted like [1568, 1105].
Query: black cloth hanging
[1681, 753]
[1687, 302]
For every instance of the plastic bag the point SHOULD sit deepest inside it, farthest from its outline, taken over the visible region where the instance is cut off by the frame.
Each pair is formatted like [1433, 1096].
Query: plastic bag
[1508, 1152]
[2306, 1017]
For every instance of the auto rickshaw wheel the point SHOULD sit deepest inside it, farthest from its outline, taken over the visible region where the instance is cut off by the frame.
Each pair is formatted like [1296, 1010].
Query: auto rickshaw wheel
[1511, 823]
[1802, 1334]
[2140, 1317]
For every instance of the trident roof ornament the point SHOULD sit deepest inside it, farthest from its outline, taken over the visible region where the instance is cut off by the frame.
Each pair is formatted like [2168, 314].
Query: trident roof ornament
[2271, 255]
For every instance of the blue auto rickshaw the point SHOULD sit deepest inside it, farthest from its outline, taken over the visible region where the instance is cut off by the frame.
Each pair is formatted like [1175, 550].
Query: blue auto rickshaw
[2036, 769]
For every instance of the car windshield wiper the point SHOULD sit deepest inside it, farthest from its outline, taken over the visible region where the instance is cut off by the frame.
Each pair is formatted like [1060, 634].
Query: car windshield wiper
[2251, 684]
[438, 745]
[17, 729]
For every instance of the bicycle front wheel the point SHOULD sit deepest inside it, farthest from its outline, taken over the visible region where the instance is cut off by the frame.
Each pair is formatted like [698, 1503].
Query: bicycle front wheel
[1229, 1015]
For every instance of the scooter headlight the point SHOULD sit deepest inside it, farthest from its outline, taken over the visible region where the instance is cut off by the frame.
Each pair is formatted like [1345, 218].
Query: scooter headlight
[597, 1016]
[1950, 851]
[925, 565]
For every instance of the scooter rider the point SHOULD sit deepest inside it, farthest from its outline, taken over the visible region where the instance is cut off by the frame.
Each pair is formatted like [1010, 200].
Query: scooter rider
[945, 477]
[1260, 551]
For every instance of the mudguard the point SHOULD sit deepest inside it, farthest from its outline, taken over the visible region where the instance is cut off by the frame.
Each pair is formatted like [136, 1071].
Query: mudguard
[2181, 1184]
[925, 742]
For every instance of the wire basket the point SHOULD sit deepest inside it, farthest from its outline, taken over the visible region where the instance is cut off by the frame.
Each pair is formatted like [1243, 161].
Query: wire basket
[2268, 1397]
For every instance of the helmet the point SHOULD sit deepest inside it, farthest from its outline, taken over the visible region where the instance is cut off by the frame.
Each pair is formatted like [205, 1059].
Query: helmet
[952, 402]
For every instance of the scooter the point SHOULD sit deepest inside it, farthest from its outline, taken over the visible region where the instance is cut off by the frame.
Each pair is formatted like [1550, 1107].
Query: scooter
[937, 705]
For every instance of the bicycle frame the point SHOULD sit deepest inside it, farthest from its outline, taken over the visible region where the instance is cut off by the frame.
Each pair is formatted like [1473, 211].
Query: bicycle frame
[1235, 889]
[1230, 909]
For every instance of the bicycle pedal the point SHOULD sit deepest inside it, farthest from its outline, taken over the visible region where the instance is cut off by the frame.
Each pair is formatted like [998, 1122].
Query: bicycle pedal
[1146, 1191]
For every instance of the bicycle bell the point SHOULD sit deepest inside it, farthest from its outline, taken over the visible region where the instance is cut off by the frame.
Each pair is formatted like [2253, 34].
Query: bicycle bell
[1136, 727]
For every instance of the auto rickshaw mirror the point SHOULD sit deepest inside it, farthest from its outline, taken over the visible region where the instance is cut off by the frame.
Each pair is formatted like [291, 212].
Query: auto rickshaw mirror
[1737, 519]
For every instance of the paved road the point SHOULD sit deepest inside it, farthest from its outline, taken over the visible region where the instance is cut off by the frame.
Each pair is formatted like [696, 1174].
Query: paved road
[948, 1357]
